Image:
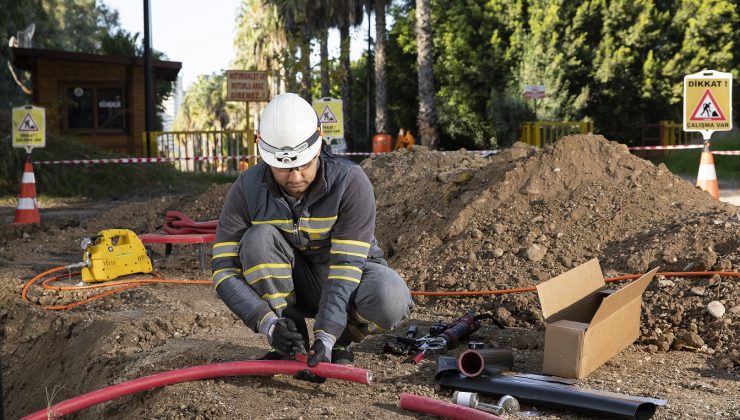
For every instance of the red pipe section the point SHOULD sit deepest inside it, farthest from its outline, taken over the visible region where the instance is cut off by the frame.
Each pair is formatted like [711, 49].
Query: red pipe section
[471, 362]
[218, 370]
[444, 409]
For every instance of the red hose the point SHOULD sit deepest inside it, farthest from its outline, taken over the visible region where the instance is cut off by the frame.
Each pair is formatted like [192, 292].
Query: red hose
[218, 370]
[442, 408]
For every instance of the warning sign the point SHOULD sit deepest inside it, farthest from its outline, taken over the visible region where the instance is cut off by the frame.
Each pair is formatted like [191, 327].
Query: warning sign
[27, 124]
[327, 116]
[707, 101]
[329, 111]
[29, 127]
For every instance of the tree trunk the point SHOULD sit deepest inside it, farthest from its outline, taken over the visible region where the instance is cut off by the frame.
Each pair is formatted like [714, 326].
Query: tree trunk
[381, 96]
[427, 118]
[305, 65]
[345, 84]
[325, 82]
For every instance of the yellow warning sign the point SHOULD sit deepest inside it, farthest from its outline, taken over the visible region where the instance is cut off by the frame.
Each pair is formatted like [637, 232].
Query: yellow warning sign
[29, 127]
[330, 114]
[707, 101]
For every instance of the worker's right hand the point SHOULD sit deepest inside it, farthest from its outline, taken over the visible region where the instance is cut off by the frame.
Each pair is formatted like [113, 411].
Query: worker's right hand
[285, 338]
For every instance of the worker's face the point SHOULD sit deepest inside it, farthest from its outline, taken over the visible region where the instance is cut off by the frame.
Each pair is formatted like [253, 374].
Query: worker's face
[295, 181]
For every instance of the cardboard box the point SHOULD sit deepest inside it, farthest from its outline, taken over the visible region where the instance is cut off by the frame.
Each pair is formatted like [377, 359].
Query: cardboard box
[585, 323]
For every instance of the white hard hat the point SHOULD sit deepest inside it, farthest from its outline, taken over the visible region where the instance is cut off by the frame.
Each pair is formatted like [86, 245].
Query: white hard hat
[289, 132]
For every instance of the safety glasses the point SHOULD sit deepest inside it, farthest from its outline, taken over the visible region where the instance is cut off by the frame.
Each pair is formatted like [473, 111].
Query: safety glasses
[301, 168]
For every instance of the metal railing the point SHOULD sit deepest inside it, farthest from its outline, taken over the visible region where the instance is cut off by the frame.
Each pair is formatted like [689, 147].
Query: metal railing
[227, 152]
[542, 133]
[671, 134]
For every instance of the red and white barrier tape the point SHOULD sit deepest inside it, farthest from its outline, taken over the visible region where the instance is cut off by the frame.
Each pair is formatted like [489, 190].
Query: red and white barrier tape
[727, 152]
[678, 146]
[138, 160]
[199, 158]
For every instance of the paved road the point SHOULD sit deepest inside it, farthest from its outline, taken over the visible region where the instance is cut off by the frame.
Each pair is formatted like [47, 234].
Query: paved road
[730, 196]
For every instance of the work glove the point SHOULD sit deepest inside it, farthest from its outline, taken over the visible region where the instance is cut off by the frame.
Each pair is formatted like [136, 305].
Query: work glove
[318, 354]
[321, 348]
[285, 337]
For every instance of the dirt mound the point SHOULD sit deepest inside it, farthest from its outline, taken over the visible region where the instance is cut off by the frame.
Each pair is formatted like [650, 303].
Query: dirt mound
[448, 221]
[458, 221]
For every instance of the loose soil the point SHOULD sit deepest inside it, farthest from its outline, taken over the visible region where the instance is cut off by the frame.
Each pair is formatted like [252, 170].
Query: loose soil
[448, 221]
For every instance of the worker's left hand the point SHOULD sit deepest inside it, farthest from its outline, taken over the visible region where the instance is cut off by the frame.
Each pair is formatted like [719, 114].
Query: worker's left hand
[318, 353]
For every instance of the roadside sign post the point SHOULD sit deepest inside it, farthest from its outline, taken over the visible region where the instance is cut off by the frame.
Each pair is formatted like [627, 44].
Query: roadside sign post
[707, 102]
[707, 107]
[534, 92]
[29, 127]
[29, 131]
[330, 115]
[247, 86]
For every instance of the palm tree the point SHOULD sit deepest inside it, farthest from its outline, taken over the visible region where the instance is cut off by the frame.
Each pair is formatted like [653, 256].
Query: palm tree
[348, 13]
[427, 118]
[381, 95]
[295, 16]
[260, 41]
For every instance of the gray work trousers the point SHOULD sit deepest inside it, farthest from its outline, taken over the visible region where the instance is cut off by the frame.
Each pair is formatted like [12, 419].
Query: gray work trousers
[285, 278]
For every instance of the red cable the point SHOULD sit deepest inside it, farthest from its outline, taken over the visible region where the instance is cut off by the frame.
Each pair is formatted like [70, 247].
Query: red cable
[250, 367]
[444, 409]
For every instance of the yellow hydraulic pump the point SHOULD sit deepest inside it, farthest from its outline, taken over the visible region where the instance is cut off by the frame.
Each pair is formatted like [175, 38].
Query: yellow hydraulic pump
[111, 254]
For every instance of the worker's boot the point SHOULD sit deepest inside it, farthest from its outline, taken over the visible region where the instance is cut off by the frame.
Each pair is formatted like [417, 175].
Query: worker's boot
[341, 354]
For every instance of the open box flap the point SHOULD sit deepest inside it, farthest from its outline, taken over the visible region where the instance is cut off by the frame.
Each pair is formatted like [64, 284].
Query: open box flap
[560, 292]
[622, 296]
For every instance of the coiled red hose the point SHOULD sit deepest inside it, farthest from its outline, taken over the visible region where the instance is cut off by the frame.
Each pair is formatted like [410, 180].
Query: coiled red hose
[218, 370]
[444, 409]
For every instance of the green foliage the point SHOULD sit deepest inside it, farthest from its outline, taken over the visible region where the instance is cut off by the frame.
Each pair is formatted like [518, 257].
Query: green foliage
[402, 82]
[69, 25]
[620, 63]
[507, 113]
[87, 26]
[97, 181]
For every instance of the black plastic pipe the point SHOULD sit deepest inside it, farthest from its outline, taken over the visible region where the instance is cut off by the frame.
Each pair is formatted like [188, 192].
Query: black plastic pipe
[542, 393]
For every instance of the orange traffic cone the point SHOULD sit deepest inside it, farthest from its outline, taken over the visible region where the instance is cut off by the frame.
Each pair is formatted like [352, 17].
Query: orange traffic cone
[28, 208]
[707, 178]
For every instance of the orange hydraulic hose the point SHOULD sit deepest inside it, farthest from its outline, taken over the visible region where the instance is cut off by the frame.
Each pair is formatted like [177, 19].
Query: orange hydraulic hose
[123, 285]
[130, 284]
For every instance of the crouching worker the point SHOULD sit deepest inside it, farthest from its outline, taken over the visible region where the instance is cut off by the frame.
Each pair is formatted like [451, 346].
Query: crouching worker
[296, 239]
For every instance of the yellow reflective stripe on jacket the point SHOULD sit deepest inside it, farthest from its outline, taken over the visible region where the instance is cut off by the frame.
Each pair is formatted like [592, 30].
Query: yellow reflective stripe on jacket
[345, 272]
[353, 280]
[354, 254]
[253, 281]
[265, 266]
[271, 296]
[268, 271]
[357, 248]
[225, 249]
[346, 267]
[285, 225]
[370, 324]
[317, 224]
[221, 275]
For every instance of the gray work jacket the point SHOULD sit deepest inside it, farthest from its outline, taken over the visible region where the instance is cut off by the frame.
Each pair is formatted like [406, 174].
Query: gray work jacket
[334, 224]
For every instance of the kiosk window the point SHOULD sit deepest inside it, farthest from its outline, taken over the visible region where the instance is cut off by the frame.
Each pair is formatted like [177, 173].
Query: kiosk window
[95, 108]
